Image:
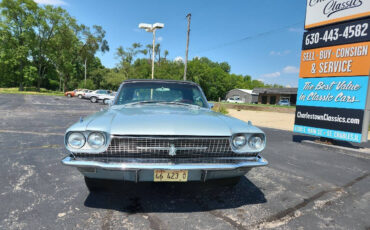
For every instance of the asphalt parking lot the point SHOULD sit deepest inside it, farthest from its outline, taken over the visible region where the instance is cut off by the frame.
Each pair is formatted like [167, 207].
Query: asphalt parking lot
[304, 187]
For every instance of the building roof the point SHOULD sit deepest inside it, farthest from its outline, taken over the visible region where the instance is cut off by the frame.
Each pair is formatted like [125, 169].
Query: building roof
[275, 90]
[248, 91]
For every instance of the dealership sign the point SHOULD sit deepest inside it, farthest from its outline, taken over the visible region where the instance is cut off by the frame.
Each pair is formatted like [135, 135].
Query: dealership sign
[339, 34]
[333, 99]
[343, 60]
[324, 12]
[332, 107]
[333, 92]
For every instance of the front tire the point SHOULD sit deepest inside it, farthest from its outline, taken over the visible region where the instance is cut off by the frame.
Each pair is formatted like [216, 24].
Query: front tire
[94, 185]
[105, 101]
[69, 95]
[80, 96]
[93, 99]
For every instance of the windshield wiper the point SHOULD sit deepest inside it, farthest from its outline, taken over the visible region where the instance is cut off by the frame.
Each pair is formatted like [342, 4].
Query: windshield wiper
[177, 103]
[160, 102]
[143, 102]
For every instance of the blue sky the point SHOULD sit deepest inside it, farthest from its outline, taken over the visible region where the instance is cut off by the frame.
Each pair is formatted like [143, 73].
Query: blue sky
[228, 30]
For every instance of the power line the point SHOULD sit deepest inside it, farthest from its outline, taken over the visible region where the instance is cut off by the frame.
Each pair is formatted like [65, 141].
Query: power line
[248, 38]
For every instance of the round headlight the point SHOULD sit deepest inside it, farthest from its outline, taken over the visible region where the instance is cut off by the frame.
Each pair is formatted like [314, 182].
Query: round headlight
[239, 141]
[76, 140]
[256, 142]
[96, 140]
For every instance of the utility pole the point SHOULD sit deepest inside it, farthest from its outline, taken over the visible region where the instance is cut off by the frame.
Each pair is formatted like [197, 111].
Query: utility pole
[85, 72]
[187, 47]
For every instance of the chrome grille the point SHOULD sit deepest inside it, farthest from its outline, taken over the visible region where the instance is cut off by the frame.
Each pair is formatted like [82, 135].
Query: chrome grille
[173, 147]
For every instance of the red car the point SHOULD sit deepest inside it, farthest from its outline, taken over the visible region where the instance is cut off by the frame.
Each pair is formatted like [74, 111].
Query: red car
[70, 93]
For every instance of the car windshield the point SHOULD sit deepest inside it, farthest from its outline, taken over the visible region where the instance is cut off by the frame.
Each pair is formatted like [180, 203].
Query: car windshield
[160, 92]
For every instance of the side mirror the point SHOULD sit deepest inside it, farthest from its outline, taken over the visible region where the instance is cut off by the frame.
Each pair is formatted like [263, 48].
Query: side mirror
[211, 105]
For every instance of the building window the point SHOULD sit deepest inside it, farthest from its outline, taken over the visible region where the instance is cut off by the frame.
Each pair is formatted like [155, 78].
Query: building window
[272, 100]
[264, 99]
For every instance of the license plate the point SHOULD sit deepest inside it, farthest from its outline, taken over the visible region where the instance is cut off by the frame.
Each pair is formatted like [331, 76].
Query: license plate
[170, 175]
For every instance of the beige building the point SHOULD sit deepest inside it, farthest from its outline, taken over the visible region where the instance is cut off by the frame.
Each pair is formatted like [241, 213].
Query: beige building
[274, 95]
[244, 95]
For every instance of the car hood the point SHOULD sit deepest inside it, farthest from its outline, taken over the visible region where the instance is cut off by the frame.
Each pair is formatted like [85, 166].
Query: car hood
[163, 120]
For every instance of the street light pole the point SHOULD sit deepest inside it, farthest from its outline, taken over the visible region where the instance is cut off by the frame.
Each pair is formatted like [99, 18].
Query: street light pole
[153, 54]
[152, 28]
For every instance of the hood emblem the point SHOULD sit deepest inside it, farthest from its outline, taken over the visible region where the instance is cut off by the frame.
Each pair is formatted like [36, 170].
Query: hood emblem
[172, 150]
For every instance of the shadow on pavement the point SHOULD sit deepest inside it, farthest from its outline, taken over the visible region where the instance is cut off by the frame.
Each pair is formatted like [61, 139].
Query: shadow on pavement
[169, 197]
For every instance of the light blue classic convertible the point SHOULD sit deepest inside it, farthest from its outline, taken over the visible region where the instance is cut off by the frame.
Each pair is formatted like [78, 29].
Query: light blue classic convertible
[162, 131]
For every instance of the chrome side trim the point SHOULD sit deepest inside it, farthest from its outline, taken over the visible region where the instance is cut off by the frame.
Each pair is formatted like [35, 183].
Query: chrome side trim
[257, 162]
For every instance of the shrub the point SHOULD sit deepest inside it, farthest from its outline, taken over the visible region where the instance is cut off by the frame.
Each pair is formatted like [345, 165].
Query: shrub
[89, 84]
[220, 109]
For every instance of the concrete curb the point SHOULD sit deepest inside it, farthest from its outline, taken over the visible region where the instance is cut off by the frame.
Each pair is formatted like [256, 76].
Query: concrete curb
[360, 152]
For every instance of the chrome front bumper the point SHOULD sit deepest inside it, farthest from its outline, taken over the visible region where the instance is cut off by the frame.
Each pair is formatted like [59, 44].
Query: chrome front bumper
[123, 166]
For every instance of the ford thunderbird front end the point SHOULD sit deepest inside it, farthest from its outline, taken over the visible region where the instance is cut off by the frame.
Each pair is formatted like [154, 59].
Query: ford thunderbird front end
[174, 138]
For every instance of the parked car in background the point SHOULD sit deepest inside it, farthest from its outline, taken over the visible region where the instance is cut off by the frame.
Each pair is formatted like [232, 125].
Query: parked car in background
[95, 93]
[88, 94]
[94, 96]
[70, 93]
[106, 97]
[284, 102]
[162, 131]
[80, 92]
[234, 100]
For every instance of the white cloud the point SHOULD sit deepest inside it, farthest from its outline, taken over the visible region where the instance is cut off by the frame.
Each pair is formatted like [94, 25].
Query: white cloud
[279, 53]
[291, 69]
[160, 39]
[271, 75]
[178, 59]
[51, 2]
[297, 30]
[260, 79]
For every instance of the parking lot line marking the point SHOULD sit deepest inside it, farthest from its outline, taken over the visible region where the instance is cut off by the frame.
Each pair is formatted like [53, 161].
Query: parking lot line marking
[30, 132]
[285, 216]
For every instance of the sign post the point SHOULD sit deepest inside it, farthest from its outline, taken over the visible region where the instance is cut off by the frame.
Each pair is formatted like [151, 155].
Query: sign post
[333, 99]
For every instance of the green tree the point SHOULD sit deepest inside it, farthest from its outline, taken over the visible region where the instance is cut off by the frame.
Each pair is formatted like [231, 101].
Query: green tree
[65, 53]
[49, 21]
[17, 28]
[93, 41]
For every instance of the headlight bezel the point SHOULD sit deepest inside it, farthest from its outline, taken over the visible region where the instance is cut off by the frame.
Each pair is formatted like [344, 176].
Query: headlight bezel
[90, 135]
[246, 148]
[76, 133]
[87, 148]
[234, 140]
[261, 137]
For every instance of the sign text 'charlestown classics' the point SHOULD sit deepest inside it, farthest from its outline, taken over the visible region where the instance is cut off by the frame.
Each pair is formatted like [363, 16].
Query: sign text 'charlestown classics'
[324, 12]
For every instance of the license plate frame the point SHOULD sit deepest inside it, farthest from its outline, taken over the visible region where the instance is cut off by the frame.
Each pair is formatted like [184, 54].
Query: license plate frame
[170, 175]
